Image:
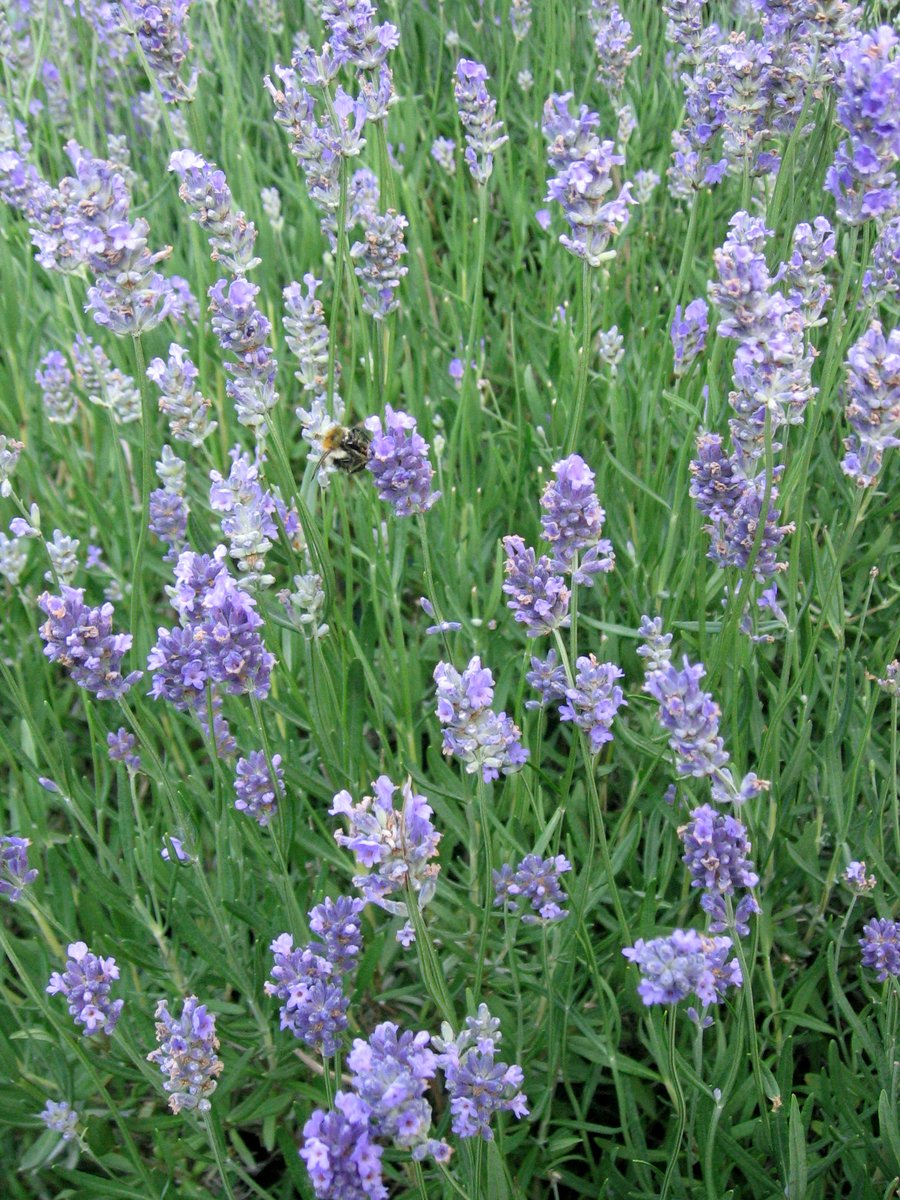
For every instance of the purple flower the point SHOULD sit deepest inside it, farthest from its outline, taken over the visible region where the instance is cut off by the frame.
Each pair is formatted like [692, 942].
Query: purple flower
[61, 1118]
[856, 878]
[812, 248]
[443, 151]
[55, 380]
[572, 522]
[86, 983]
[540, 599]
[741, 293]
[306, 334]
[243, 332]
[177, 848]
[882, 280]
[478, 114]
[10, 449]
[186, 1054]
[688, 333]
[612, 39]
[340, 1154]
[379, 255]
[249, 514]
[716, 856]
[569, 137]
[536, 880]
[161, 33]
[205, 189]
[581, 188]
[520, 19]
[873, 403]
[255, 788]
[14, 873]
[315, 1007]
[168, 517]
[691, 717]
[548, 678]
[82, 640]
[482, 739]
[594, 700]
[862, 178]
[186, 409]
[398, 460]
[479, 1086]
[391, 1072]
[881, 947]
[121, 746]
[683, 963]
[336, 922]
[218, 641]
[394, 845]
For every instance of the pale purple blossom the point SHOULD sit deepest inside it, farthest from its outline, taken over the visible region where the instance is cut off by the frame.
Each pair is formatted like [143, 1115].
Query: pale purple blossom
[482, 739]
[15, 874]
[682, 964]
[86, 984]
[186, 1055]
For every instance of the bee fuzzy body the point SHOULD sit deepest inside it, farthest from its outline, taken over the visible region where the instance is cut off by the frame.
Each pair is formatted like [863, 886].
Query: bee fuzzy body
[345, 449]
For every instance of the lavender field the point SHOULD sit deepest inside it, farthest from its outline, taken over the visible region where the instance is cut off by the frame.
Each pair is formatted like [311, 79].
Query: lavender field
[450, 609]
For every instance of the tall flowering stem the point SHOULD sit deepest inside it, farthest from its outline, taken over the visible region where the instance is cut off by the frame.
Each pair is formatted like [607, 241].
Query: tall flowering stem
[139, 609]
[573, 436]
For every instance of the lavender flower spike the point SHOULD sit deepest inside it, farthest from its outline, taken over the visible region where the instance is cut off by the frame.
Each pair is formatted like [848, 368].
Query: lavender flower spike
[340, 1153]
[315, 1007]
[391, 1072]
[205, 189]
[85, 983]
[187, 1055]
[160, 32]
[484, 740]
[594, 700]
[15, 875]
[537, 881]
[581, 188]
[684, 962]
[873, 403]
[61, 1118]
[478, 114]
[255, 788]
[572, 522]
[394, 845]
[479, 1086]
[540, 599]
[82, 640]
[398, 460]
[379, 255]
[881, 947]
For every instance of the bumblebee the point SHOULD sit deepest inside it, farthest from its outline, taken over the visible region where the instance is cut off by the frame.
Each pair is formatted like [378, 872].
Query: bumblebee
[346, 449]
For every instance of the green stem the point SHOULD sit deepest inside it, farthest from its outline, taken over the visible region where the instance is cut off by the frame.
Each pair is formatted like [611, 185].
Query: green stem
[680, 1110]
[487, 900]
[573, 434]
[138, 605]
[750, 1019]
[428, 963]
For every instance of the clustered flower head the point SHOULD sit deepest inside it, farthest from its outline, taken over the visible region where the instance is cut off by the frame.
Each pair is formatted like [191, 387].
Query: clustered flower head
[572, 523]
[881, 281]
[379, 256]
[855, 877]
[10, 449]
[691, 717]
[881, 947]
[873, 403]
[217, 641]
[105, 384]
[581, 187]
[205, 190]
[249, 513]
[82, 640]
[478, 1084]
[186, 1055]
[391, 1072]
[186, 409]
[862, 178]
[120, 748]
[683, 963]
[311, 986]
[688, 333]
[255, 789]
[15, 874]
[86, 984]
[55, 380]
[61, 1118]
[336, 922]
[594, 700]
[398, 462]
[243, 332]
[160, 29]
[716, 854]
[539, 598]
[548, 678]
[340, 1153]
[537, 881]
[168, 505]
[612, 42]
[484, 740]
[395, 845]
[478, 114]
